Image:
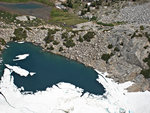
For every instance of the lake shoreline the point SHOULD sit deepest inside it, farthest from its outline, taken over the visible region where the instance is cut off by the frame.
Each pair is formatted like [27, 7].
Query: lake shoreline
[37, 35]
[115, 49]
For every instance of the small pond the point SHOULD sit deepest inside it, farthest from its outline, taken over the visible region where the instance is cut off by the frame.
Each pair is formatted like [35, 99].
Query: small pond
[30, 8]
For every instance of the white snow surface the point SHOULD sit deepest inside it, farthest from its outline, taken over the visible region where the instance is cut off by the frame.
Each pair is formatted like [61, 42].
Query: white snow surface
[65, 97]
[21, 57]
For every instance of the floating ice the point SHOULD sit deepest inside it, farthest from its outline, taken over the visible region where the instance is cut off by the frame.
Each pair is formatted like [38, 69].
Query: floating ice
[32, 73]
[20, 42]
[21, 57]
[18, 70]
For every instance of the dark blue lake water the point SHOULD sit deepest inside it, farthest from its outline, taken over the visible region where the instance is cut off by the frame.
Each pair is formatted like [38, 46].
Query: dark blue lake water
[22, 5]
[50, 69]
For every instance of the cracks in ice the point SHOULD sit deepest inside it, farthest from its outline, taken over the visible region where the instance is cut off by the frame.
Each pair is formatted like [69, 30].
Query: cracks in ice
[13, 106]
[6, 100]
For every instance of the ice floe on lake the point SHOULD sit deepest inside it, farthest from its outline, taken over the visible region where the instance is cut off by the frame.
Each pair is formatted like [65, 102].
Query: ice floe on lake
[21, 57]
[19, 70]
[32, 73]
[20, 42]
[65, 97]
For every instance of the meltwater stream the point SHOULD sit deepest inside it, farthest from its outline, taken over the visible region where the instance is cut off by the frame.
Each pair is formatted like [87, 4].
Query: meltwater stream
[50, 69]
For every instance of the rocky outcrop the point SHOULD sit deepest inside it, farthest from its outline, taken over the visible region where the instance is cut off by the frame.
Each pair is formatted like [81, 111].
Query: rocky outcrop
[125, 11]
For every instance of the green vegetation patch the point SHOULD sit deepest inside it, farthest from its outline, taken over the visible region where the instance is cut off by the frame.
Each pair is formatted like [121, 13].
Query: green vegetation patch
[64, 35]
[61, 49]
[20, 34]
[80, 39]
[30, 23]
[50, 38]
[111, 24]
[105, 24]
[88, 36]
[7, 17]
[11, 18]
[2, 41]
[119, 23]
[146, 72]
[141, 27]
[55, 42]
[147, 36]
[110, 46]
[60, 17]
[69, 43]
[106, 57]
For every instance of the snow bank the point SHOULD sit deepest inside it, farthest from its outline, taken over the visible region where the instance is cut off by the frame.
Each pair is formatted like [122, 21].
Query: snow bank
[132, 102]
[21, 57]
[65, 97]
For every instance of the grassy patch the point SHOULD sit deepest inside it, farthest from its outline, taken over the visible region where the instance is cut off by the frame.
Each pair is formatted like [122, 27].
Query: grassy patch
[64, 18]
[50, 38]
[105, 24]
[20, 34]
[119, 23]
